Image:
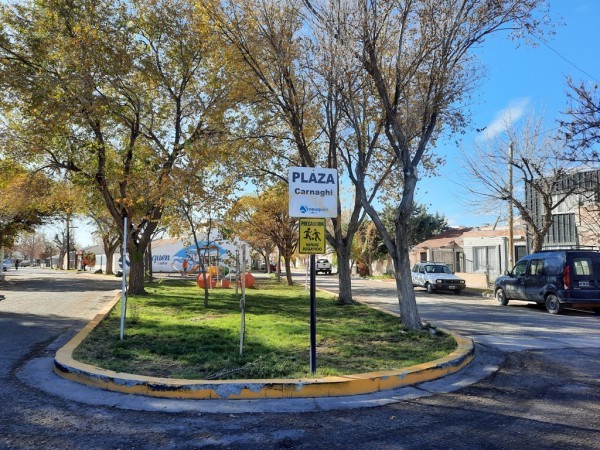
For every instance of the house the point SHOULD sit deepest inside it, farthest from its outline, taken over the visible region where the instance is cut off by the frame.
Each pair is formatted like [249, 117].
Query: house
[477, 254]
[576, 221]
[446, 248]
[486, 252]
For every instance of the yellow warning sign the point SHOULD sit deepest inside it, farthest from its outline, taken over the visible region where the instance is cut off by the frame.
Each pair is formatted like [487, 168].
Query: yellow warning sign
[312, 236]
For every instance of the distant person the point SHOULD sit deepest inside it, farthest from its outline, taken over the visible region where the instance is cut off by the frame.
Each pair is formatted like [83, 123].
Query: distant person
[16, 264]
[185, 267]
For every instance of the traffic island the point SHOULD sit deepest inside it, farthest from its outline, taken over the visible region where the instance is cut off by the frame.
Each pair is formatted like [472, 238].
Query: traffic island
[332, 386]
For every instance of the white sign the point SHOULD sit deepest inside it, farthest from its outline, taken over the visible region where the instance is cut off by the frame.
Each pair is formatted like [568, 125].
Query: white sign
[313, 192]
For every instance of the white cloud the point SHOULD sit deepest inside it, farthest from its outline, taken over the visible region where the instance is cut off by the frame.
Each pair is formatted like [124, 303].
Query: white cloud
[504, 118]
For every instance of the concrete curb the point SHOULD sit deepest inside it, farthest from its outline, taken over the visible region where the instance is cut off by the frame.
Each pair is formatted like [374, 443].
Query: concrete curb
[67, 367]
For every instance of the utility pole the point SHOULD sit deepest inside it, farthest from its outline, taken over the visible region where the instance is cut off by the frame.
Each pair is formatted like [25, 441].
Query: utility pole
[511, 245]
[68, 240]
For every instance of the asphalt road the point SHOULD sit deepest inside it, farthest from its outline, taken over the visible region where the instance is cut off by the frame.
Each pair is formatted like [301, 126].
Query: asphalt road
[545, 394]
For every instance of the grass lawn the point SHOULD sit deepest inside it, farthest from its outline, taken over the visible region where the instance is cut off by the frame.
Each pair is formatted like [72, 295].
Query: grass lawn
[169, 333]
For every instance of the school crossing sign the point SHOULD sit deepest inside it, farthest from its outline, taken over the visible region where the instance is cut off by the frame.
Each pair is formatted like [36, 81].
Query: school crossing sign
[313, 192]
[312, 236]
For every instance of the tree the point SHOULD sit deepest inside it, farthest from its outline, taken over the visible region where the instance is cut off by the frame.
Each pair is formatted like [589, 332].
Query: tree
[60, 241]
[31, 245]
[293, 81]
[421, 226]
[26, 201]
[204, 194]
[417, 55]
[267, 216]
[106, 231]
[581, 126]
[116, 94]
[536, 159]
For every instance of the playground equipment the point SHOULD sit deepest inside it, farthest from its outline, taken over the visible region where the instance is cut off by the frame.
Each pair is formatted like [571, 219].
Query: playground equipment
[225, 283]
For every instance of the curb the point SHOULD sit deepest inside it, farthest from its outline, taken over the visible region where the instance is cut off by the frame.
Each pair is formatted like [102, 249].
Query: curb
[67, 367]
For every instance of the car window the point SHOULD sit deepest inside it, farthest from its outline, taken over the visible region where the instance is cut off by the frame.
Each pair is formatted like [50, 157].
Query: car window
[554, 265]
[519, 269]
[582, 266]
[536, 267]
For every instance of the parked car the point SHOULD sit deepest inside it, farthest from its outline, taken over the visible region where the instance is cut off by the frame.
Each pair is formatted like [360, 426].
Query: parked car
[7, 264]
[272, 266]
[323, 266]
[435, 276]
[555, 278]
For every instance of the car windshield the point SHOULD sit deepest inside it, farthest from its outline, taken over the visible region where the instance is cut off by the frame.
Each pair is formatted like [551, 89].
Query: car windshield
[437, 268]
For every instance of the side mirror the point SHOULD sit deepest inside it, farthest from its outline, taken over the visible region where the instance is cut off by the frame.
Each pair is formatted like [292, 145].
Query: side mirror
[506, 272]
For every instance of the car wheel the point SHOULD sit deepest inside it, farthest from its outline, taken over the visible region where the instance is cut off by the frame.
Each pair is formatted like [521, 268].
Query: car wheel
[429, 288]
[553, 306]
[501, 297]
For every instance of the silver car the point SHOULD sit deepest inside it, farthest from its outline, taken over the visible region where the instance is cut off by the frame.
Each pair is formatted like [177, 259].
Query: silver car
[436, 277]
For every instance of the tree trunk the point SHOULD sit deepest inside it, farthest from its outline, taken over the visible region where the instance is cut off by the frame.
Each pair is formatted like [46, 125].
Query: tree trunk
[409, 314]
[344, 276]
[110, 246]
[136, 270]
[288, 270]
[110, 253]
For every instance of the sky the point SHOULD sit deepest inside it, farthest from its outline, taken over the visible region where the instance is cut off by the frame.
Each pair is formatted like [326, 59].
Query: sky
[517, 79]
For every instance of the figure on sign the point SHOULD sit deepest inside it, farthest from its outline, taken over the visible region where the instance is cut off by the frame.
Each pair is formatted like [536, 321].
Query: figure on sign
[316, 236]
[307, 234]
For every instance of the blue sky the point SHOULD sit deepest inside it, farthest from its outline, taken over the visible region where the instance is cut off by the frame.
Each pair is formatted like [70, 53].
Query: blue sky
[518, 80]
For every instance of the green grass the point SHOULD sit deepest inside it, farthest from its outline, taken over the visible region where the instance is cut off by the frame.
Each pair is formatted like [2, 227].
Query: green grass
[170, 333]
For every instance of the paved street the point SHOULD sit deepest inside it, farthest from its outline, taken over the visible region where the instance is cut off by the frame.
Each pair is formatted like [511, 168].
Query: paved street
[518, 326]
[545, 395]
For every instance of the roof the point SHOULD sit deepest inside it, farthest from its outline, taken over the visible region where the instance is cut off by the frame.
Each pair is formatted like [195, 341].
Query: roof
[447, 239]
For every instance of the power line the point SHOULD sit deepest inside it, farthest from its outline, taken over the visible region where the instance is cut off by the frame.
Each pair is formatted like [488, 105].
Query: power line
[567, 60]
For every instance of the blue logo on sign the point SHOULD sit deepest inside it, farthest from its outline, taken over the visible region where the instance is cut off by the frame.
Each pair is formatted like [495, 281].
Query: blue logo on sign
[310, 210]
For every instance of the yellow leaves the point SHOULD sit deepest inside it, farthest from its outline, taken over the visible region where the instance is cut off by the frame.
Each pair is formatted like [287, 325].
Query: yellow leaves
[25, 199]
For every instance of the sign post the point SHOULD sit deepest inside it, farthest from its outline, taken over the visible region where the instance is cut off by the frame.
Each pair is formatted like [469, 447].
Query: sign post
[313, 197]
[124, 281]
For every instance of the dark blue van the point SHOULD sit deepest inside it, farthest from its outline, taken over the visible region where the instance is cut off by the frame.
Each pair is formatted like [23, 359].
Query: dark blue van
[556, 278]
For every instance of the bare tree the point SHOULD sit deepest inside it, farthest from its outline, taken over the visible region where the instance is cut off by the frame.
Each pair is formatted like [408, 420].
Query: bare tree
[417, 55]
[107, 232]
[581, 125]
[537, 162]
[31, 245]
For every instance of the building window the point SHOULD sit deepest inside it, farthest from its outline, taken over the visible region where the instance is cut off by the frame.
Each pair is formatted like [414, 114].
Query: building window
[485, 258]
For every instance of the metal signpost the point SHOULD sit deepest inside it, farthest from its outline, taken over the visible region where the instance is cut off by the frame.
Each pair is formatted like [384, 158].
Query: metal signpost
[313, 195]
[124, 281]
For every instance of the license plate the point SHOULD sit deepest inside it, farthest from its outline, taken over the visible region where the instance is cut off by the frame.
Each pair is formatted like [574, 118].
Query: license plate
[584, 284]
[452, 287]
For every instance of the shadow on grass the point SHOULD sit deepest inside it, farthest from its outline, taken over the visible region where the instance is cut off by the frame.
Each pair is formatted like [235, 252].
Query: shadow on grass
[170, 333]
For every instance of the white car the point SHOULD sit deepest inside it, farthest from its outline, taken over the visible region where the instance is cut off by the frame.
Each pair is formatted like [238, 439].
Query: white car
[436, 277]
[323, 265]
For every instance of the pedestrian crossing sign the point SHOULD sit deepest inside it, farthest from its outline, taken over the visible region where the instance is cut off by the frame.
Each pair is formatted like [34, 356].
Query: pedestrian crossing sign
[312, 236]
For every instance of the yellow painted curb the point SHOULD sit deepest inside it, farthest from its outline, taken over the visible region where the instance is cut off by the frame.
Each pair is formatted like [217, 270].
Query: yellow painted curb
[364, 383]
